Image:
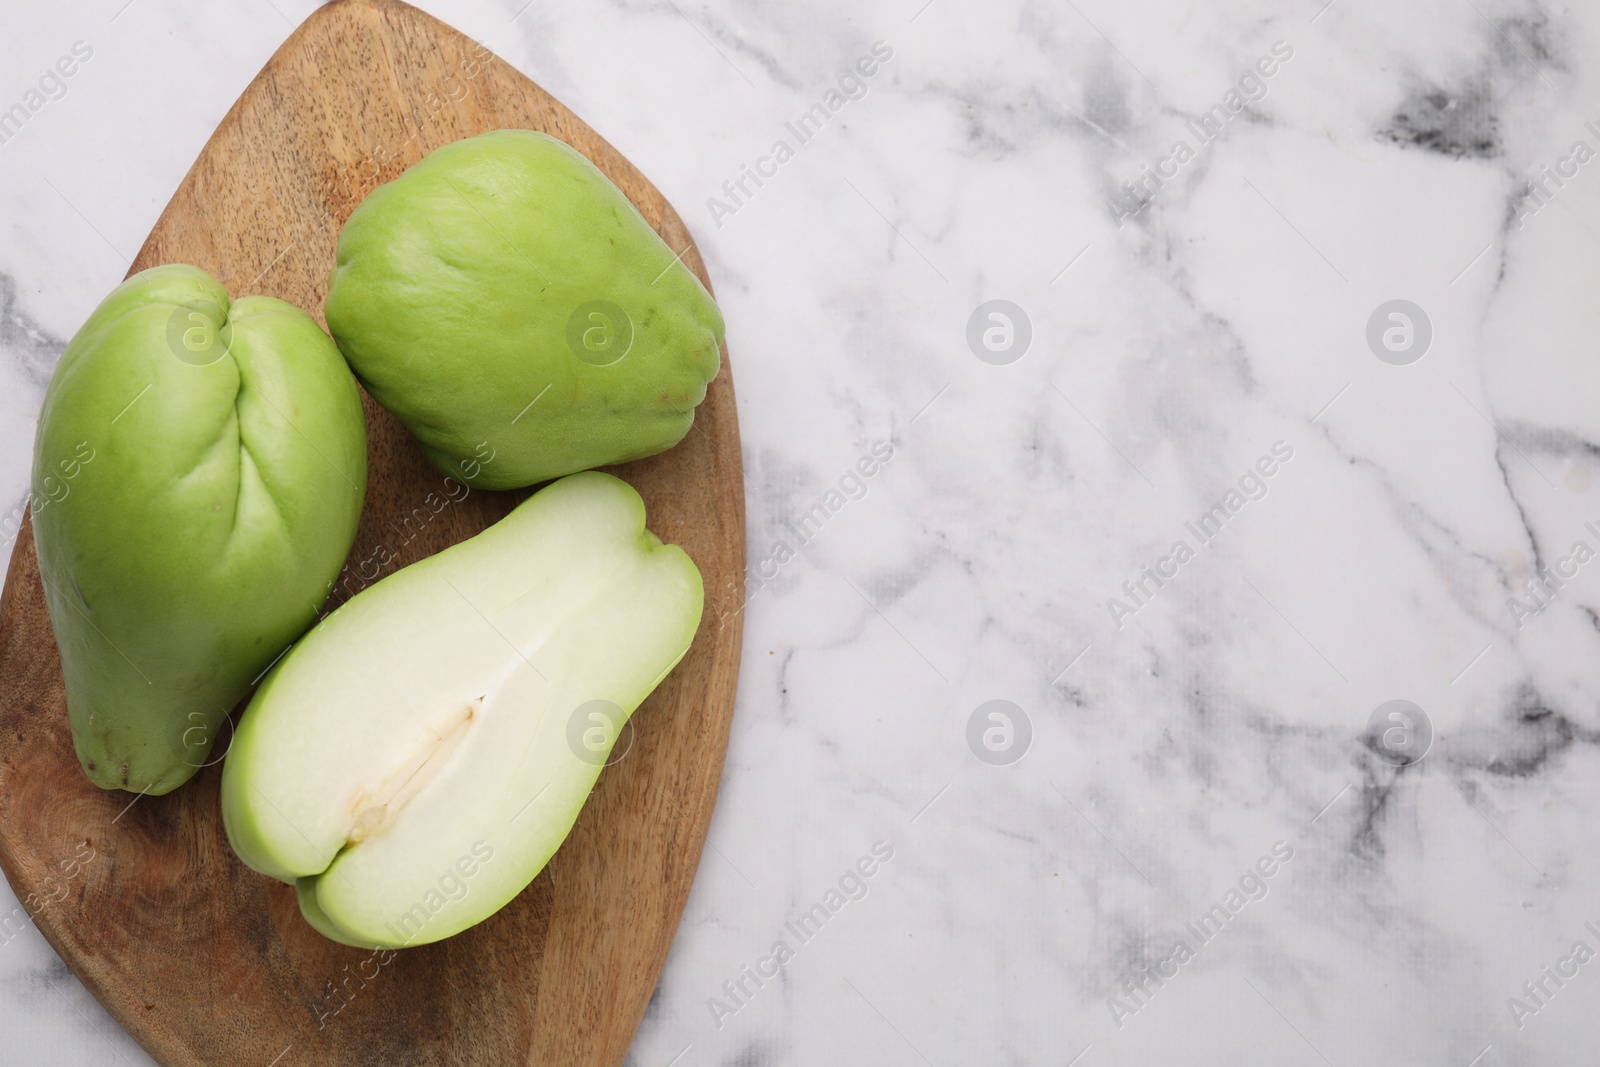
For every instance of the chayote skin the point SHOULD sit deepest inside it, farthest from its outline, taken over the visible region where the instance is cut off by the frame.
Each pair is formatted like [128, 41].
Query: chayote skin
[198, 474]
[515, 311]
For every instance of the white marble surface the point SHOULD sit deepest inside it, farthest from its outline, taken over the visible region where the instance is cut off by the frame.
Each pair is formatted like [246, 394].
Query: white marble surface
[1387, 158]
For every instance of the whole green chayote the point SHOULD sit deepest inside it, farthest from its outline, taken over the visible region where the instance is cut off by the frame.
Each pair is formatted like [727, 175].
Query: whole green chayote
[507, 302]
[198, 474]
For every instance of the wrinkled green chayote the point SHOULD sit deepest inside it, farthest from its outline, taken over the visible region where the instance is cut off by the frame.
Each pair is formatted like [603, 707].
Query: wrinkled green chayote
[198, 475]
[508, 303]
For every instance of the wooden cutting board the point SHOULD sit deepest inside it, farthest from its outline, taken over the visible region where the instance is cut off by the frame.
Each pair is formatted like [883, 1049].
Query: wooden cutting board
[205, 962]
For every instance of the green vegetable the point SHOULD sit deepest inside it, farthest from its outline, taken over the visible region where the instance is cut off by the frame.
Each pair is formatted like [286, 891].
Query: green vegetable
[198, 474]
[505, 300]
[416, 760]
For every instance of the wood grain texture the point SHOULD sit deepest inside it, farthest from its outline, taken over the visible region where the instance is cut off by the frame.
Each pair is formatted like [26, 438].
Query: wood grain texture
[204, 961]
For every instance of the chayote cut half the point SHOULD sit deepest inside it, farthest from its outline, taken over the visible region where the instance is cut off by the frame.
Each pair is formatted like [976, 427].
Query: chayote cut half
[198, 474]
[416, 760]
[514, 310]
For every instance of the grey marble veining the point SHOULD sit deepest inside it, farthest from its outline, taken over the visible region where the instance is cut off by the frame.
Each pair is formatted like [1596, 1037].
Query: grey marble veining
[1195, 535]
